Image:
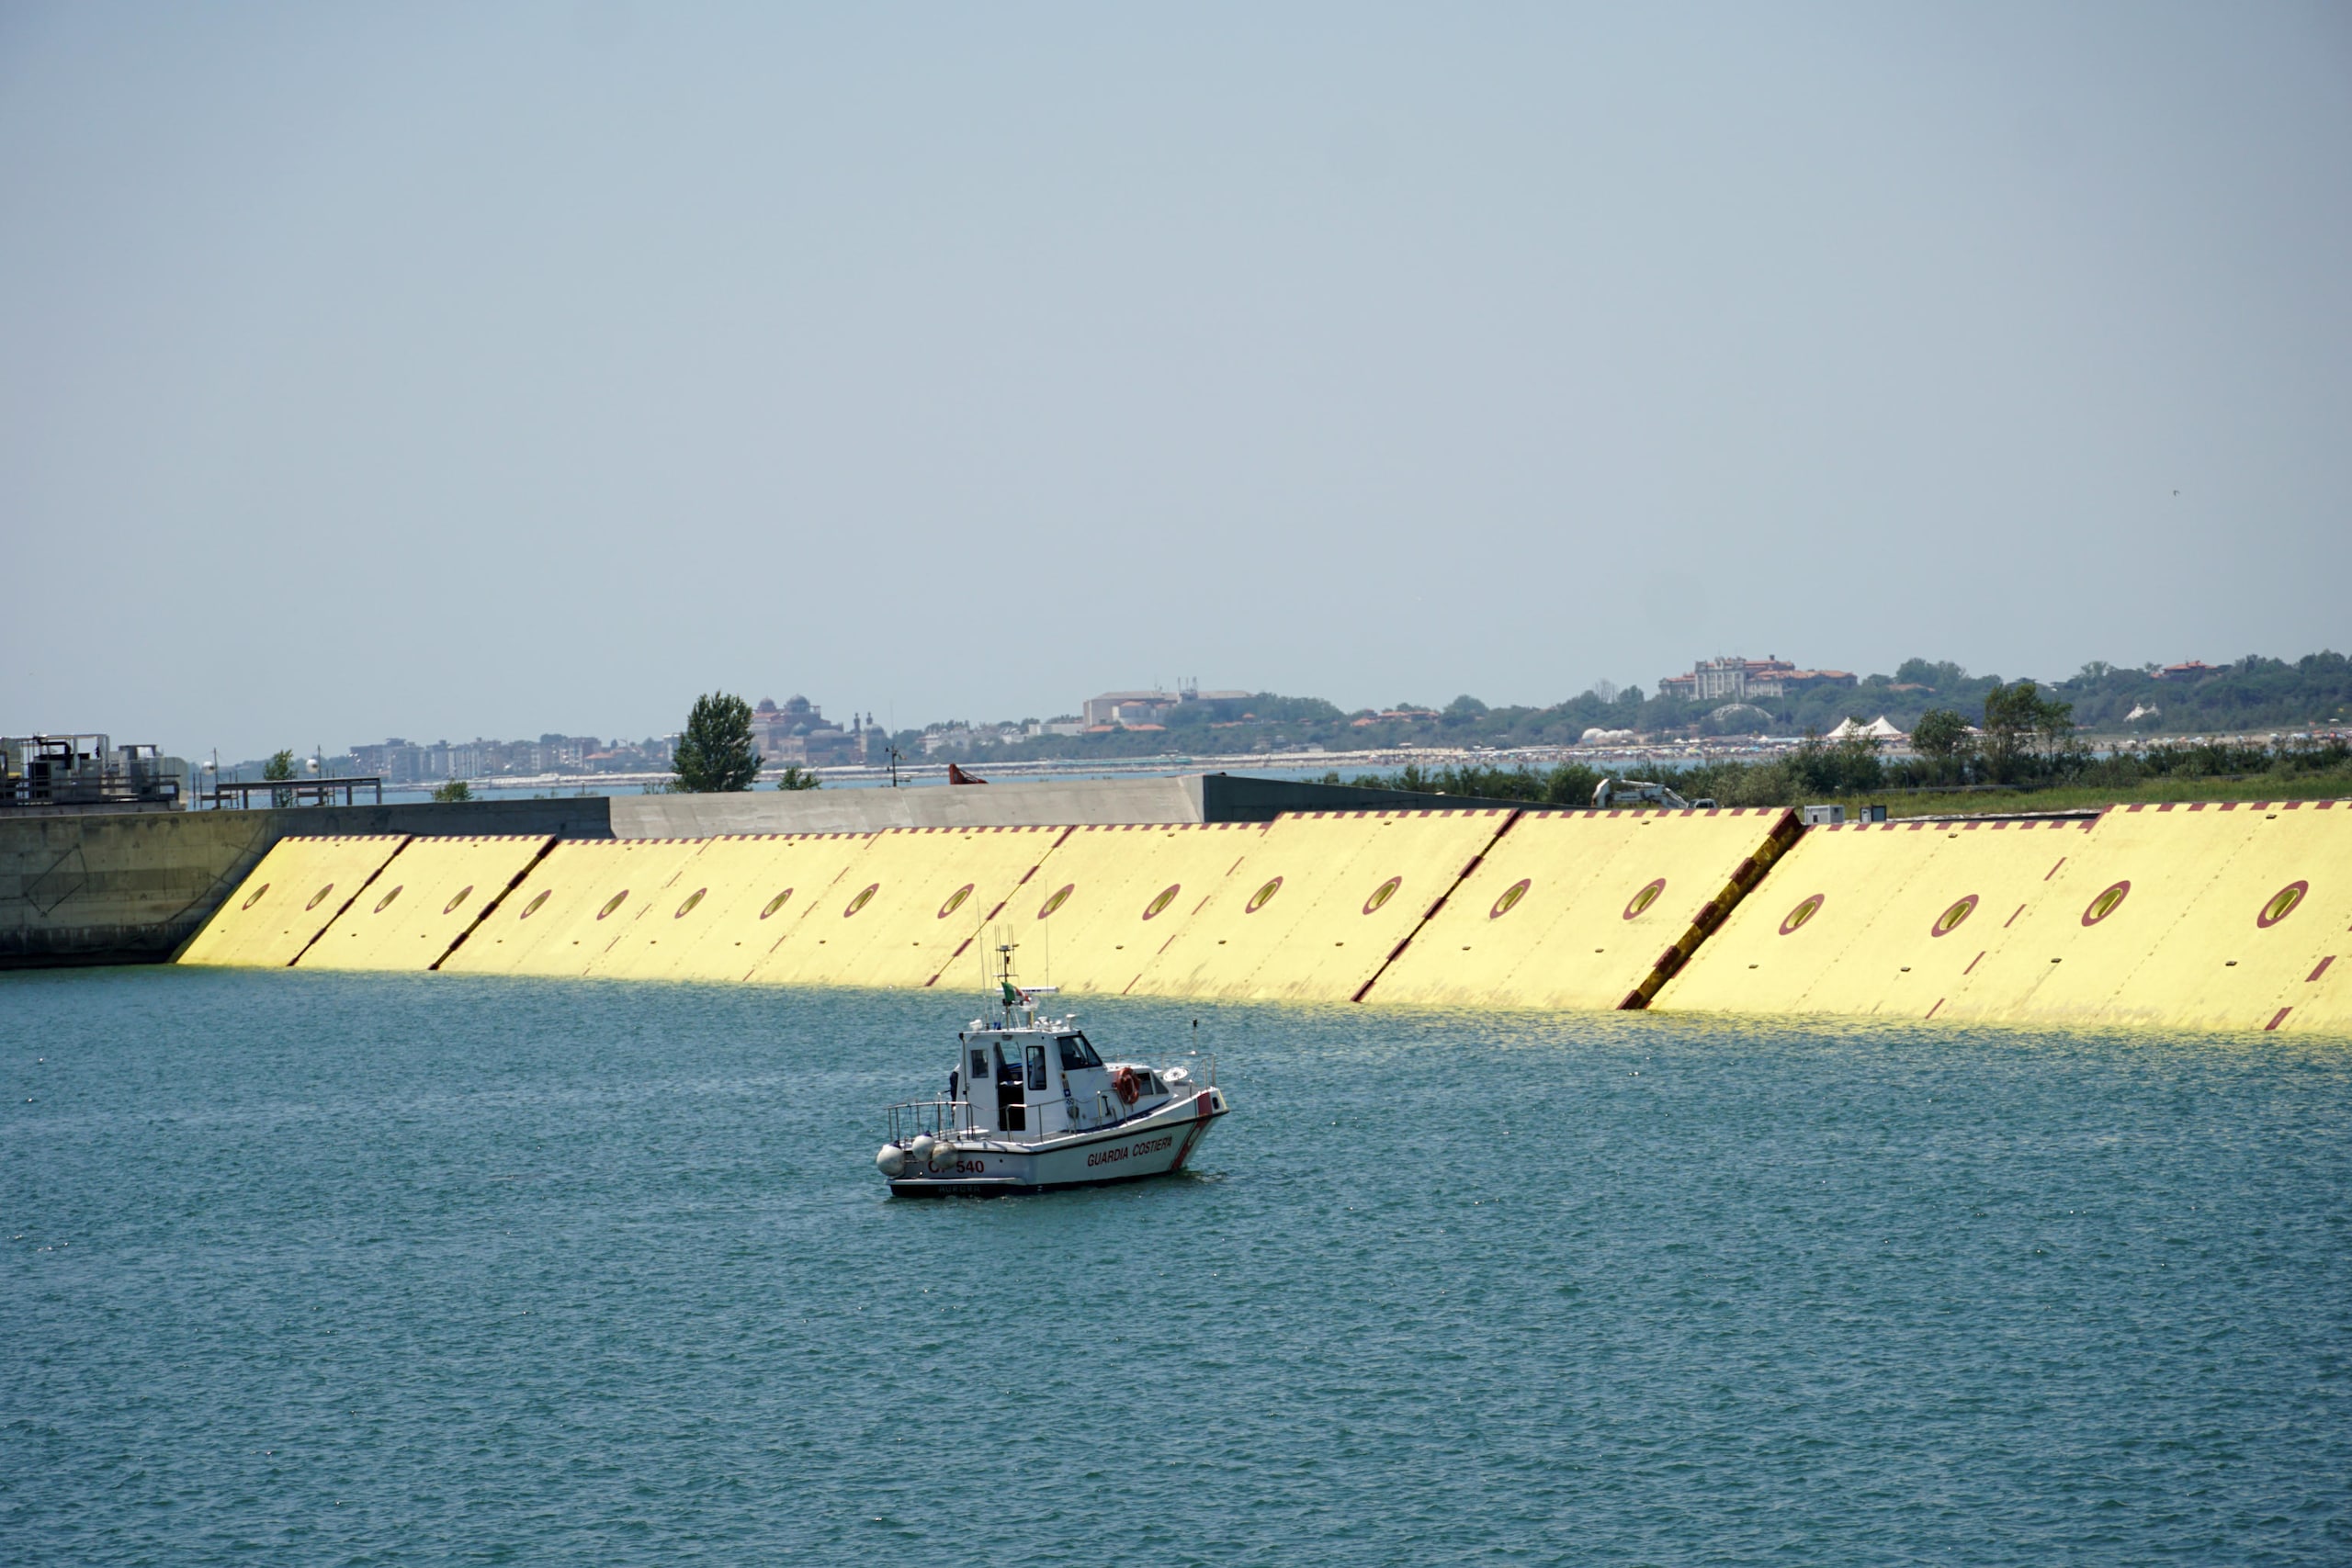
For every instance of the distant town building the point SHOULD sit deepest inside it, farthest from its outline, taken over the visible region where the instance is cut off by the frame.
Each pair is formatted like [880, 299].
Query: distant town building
[1137, 709]
[800, 734]
[1739, 680]
[2194, 669]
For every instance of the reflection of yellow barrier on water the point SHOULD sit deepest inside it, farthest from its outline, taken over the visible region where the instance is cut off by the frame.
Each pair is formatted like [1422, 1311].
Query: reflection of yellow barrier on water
[1584, 908]
[575, 903]
[426, 899]
[1871, 918]
[728, 908]
[1113, 896]
[293, 895]
[910, 907]
[1321, 903]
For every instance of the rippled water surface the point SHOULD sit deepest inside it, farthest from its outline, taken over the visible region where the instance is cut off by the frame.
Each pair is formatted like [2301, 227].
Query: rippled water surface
[326, 1269]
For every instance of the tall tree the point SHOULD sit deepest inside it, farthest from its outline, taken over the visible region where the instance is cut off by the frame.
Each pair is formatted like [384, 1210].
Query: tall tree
[1941, 734]
[279, 767]
[716, 752]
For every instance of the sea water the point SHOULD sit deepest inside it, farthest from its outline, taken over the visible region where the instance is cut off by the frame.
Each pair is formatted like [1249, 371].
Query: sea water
[371, 1270]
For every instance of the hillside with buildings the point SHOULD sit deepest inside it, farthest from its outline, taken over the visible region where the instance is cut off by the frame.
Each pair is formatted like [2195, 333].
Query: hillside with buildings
[1724, 697]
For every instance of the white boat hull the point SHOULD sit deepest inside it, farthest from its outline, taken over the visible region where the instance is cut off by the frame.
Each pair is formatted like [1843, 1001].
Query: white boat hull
[1156, 1145]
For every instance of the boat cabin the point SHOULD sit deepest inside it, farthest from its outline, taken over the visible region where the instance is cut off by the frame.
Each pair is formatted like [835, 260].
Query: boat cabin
[1045, 1078]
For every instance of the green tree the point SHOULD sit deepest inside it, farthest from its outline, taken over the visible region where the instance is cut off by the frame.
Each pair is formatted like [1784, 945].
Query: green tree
[797, 777]
[454, 791]
[2017, 718]
[1941, 739]
[715, 753]
[280, 769]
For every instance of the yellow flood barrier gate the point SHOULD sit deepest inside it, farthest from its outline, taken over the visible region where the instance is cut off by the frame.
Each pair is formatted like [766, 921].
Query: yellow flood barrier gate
[1109, 899]
[910, 909]
[1318, 904]
[2230, 916]
[1586, 910]
[2201, 917]
[575, 903]
[424, 902]
[731, 905]
[296, 892]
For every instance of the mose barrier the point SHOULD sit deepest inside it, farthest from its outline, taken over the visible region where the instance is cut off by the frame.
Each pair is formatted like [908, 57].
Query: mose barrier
[2226, 917]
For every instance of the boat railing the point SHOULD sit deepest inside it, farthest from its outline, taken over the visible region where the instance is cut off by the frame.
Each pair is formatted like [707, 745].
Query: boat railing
[940, 1118]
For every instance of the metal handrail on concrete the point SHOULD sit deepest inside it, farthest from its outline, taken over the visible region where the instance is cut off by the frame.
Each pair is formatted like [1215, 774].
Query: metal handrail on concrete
[291, 792]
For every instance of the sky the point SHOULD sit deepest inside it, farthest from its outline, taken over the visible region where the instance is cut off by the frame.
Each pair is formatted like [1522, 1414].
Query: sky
[456, 371]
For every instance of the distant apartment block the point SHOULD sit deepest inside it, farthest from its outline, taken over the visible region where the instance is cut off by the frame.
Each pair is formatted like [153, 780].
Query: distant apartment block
[1737, 680]
[400, 762]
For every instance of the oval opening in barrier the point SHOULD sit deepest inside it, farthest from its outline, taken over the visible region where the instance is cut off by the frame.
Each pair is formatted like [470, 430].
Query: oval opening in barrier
[688, 907]
[386, 901]
[1802, 913]
[778, 902]
[1061, 897]
[615, 902]
[955, 900]
[533, 906]
[254, 897]
[1949, 921]
[1509, 900]
[1644, 898]
[1166, 896]
[458, 898]
[1263, 896]
[1382, 894]
[2283, 904]
[864, 896]
[2108, 900]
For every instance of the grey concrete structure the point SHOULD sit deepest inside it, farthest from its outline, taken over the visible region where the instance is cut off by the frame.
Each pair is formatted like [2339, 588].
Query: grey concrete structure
[111, 888]
[1197, 797]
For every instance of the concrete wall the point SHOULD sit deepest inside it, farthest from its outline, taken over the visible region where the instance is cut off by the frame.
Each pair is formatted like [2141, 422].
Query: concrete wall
[1027, 803]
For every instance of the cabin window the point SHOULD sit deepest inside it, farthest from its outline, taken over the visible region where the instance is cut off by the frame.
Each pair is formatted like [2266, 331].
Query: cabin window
[1077, 1053]
[1152, 1084]
[1036, 1066]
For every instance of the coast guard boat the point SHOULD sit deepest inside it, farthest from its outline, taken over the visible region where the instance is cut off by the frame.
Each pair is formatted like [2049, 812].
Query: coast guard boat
[1031, 1107]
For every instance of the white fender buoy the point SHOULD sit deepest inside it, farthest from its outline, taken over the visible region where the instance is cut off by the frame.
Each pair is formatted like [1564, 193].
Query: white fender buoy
[921, 1148]
[891, 1160]
[942, 1156]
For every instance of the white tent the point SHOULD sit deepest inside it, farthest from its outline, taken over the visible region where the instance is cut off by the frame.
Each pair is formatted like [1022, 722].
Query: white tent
[1877, 730]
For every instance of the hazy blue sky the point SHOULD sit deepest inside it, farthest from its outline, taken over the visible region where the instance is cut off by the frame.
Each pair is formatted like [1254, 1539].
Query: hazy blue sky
[494, 370]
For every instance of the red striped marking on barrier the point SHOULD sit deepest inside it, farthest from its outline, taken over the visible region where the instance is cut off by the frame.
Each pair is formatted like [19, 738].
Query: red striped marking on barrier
[2321, 970]
[2053, 870]
[1931, 1012]
[2013, 918]
[2277, 1019]
[1974, 962]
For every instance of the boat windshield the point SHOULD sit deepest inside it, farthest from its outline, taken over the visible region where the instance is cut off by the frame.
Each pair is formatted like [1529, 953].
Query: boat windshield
[1077, 1053]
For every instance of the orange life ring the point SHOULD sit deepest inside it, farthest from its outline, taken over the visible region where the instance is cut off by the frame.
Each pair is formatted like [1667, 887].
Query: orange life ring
[1127, 1085]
